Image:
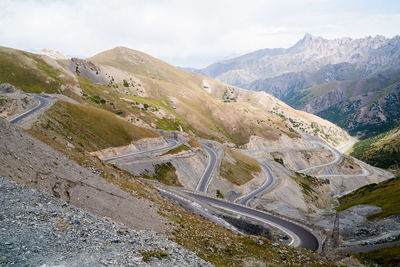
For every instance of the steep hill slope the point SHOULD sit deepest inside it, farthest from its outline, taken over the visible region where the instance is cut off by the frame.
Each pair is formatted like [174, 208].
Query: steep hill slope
[382, 150]
[205, 106]
[385, 194]
[92, 128]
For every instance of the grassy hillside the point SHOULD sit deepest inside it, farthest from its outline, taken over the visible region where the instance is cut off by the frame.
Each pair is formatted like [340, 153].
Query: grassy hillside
[237, 167]
[389, 256]
[382, 150]
[177, 149]
[90, 128]
[182, 95]
[30, 72]
[385, 195]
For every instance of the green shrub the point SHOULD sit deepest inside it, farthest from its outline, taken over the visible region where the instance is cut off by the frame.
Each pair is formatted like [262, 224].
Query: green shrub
[126, 84]
[147, 255]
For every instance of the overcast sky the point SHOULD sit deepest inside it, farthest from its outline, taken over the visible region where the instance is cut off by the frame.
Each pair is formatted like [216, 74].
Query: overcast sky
[188, 33]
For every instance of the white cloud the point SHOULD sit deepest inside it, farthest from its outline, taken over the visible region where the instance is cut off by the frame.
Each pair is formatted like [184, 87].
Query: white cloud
[190, 33]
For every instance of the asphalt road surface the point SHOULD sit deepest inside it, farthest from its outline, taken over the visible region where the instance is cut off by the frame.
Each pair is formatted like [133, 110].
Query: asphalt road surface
[301, 237]
[265, 186]
[43, 102]
[205, 179]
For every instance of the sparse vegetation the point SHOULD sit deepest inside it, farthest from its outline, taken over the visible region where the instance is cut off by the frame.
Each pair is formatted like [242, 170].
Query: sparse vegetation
[177, 149]
[167, 124]
[218, 194]
[237, 167]
[228, 95]
[311, 187]
[389, 256]
[386, 195]
[279, 160]
[91, 128]
[147, 255]
[166, 173]
[193, 142]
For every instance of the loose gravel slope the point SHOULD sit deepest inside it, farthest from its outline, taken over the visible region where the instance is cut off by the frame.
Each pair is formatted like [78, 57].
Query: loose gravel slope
[37, 229]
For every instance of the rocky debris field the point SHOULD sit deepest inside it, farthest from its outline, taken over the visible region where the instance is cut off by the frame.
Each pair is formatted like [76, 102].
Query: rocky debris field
[31, 162]
[37, 229]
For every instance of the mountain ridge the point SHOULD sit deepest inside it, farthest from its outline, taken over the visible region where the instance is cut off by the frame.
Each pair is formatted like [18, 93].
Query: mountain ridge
[316, 74]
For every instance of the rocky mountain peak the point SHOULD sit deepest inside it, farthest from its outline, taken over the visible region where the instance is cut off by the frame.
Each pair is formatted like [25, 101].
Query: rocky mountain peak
[309, 37]
[305, 42]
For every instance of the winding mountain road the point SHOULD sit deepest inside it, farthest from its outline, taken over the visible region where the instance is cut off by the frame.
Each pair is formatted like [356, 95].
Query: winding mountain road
[301, 237]
[338, 158]
[43, 102]
[171, 144]
[205, 179]
[267, 184]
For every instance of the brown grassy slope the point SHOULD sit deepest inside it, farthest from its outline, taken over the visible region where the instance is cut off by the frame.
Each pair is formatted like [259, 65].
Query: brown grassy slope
[90, 128]
[389, 256]
[237, 167]
[182, 94]
[134, 61]
[30, 72]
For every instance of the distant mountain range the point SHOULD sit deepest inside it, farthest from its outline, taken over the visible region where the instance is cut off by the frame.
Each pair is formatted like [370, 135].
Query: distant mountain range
[354, 83]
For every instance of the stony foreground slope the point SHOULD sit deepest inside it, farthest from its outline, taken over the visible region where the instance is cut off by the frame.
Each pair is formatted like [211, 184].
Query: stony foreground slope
[40, 230]
[33, 163]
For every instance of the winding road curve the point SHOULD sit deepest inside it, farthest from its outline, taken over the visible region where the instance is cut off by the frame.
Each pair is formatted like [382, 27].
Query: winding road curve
[338, 158]
[301, 237]
[267, 184]
[205, 179]
[43, 102]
